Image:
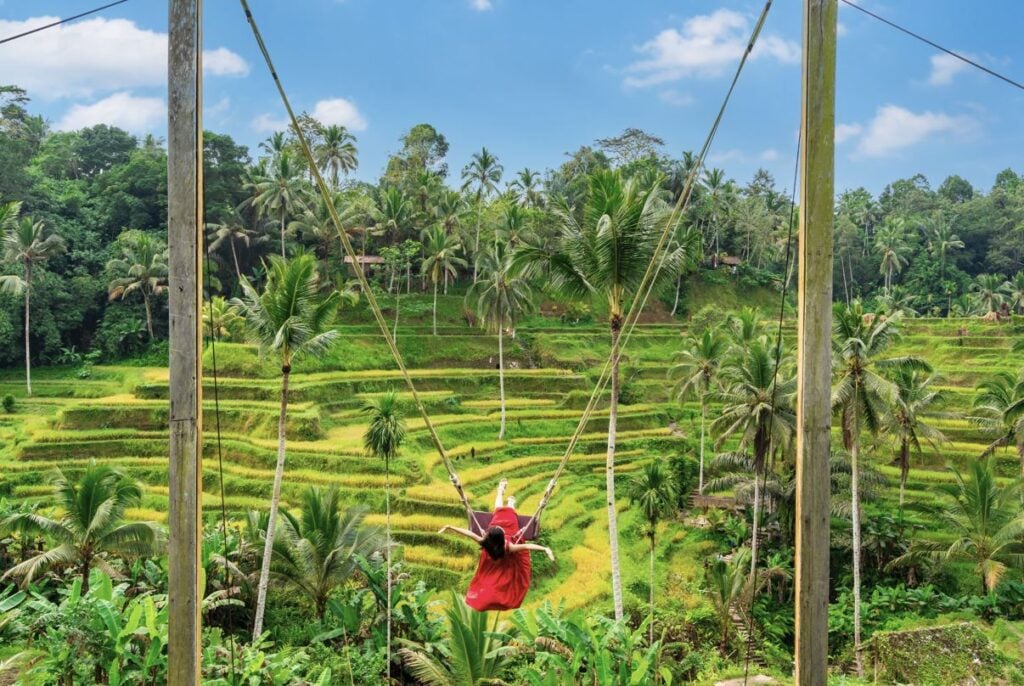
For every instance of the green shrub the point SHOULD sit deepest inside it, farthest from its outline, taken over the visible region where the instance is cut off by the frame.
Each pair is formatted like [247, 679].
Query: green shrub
[8, 404]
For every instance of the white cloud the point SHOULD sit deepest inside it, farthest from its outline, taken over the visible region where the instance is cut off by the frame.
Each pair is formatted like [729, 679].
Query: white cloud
[481, 5]
[341, 112]
[124, 110]
[944, 68]
[675, 98]
[93, 56]
[841, 29]
[769, 155]
[895, 128]
[705, 46]
[217, 109]
[845, 132]
[268, 123]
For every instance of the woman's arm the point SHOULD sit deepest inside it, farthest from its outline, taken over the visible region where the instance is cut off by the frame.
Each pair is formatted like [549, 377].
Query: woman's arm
[463, 532]
[517, 547]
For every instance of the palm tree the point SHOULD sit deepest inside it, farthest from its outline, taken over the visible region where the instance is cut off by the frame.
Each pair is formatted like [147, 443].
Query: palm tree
[604, 253]
[891, 243]
[755, 407]
[442, 261]
[727, 585]
[291, 318]
[941, 240]
[91, 526]
[383, 439]
[394, 214]
[336, 153]
[654, 491]
[906, 420]
[449, 210]
[143, 269]
[220, 319]
[526, 187]
[745, 325]
[987, 523]
[1015, 291]
[501, 297]
[483, 172]
[863, 396]
[999, 411]
[280, 192]
[319, 550]
[698, 371]
[316, 225]
[989, 291]
[232, 229]
[718, 193]
[27, 243]
[473, 654]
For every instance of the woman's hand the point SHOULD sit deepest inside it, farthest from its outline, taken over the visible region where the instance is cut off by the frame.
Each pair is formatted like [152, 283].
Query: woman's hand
[551, 555]
[444, 529]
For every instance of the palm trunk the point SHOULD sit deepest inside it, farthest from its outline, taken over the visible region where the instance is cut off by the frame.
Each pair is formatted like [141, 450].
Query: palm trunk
[387, 525]
[501, 380]
[283, 256]
[234, 255]
[703, 416]
[613, 527]
[650, 628]
[855, 513]
[754, 534]
[904, 472]
[398, 298]
[28, 349]
[679, 285]
[86, 566]
[275, 499]
[435, 307]
[476, 242]
[149, 315]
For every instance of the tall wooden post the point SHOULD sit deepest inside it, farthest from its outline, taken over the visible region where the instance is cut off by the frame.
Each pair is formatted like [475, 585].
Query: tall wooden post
[814, 337]
[184, 226]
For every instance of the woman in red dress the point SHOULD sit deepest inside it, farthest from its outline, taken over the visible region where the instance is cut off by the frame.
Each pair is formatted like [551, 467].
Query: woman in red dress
[503, 574]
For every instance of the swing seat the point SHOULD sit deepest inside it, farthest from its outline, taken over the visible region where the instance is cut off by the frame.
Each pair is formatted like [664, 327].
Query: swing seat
[482, 521]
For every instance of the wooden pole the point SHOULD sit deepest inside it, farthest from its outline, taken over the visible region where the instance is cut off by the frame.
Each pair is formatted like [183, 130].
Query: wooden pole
[814, 337]
[184, 224]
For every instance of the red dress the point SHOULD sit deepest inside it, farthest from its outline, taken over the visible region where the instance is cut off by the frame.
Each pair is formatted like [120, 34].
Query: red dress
[501, 584]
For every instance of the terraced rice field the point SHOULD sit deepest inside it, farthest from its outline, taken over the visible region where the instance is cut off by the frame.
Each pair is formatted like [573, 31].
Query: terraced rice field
[119, 415]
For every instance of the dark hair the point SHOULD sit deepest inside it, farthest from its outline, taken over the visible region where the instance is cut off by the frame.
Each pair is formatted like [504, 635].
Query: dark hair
[494, 542]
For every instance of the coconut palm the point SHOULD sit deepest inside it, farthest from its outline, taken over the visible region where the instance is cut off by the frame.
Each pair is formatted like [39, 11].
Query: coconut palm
[862, 396]
[336, 153]
[986, 522]
[442, 261]
[232, 230]
[755, 397]
[718, 193]
[472, 654]
[280, 192]
[745, 325]
[500, 297]
[907, 421]
[318, 551]
[893, 247]
[942, 241]
[141, 268]
[220, 319]
[383, 439]
[727, 585]
[604, 253]
[394, 214]
[449, 210]
[989, 291]
[29, 244]
[315, 224]
[291, 318]
[654, 491]
[526, 187]
[698, 372]
[481, 175]
[514, 229]
[999, 411]
[91, 526]
[1015, 291]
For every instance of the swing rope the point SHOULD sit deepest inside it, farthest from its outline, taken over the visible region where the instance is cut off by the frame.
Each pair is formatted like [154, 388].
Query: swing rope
[357, 266]
[654, 267]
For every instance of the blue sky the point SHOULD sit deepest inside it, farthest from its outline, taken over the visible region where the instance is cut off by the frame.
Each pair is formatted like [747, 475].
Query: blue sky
[533, 79]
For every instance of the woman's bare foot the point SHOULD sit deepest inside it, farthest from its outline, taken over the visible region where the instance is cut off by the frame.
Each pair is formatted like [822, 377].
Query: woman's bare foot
[502, 485]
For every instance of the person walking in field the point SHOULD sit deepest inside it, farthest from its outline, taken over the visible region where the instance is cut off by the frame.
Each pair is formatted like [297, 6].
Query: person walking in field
[503, 574]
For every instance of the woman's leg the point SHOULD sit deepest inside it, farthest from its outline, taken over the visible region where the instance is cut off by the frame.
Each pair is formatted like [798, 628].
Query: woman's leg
[499, 499]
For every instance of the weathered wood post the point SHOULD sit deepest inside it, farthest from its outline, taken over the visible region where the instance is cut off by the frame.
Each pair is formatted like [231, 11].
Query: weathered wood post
[814, 337]
[184, 226]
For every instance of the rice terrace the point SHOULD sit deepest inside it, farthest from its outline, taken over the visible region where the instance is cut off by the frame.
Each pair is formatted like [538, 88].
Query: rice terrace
[337, 396]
